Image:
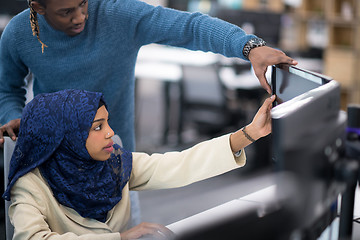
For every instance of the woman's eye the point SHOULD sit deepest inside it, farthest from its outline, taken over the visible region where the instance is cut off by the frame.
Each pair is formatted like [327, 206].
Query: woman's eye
[83, 3]
[97, 128]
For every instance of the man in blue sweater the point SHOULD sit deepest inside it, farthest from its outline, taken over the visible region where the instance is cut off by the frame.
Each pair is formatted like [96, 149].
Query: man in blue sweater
[93, 45]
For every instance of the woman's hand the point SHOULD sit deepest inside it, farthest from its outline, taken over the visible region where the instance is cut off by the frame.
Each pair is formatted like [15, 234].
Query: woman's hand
[259, 127]
[156, 231]
[261, 123]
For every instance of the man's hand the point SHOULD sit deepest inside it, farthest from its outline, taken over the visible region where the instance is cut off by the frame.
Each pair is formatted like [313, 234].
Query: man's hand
[262, 57]
[11, 128]
[156, 231]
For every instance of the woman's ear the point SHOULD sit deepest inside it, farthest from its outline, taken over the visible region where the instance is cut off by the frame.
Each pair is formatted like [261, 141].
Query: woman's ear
[38, 8]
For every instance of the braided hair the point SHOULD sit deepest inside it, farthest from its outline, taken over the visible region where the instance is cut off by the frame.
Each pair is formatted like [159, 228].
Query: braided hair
[34, 23]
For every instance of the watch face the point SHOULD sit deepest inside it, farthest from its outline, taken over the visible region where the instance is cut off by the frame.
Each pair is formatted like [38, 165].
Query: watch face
[255, 40]
[258, 42]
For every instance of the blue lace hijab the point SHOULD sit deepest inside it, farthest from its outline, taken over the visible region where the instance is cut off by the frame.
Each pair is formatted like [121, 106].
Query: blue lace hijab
[53, 132]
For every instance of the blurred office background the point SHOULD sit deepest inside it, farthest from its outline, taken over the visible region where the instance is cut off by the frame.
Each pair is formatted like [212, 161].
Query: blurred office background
[184, 97]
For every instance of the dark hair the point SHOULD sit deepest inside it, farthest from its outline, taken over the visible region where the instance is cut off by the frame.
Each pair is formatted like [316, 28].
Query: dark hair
[34, 21]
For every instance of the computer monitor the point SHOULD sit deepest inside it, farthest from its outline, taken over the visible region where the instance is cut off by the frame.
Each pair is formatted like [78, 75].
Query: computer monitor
[308, 134]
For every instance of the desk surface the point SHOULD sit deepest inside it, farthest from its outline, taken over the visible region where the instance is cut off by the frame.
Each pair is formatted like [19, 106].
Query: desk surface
[254, 200]
[257, 200]
[175, 55]
[167, 72]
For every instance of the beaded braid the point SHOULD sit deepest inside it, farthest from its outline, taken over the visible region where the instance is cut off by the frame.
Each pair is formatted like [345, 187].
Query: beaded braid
[35, 25]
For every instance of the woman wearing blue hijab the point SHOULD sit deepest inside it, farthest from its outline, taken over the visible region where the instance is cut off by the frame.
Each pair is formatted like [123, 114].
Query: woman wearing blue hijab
[68, 180]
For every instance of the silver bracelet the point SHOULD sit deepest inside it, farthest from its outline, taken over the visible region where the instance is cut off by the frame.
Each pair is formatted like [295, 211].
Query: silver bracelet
[238, 153]
[247, 135]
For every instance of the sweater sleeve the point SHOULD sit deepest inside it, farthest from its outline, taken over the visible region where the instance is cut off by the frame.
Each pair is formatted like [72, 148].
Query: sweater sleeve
[12, 75]
[176, 169]
[194, 31]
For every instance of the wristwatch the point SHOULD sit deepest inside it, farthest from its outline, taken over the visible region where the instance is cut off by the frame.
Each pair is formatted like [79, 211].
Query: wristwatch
[252, 43]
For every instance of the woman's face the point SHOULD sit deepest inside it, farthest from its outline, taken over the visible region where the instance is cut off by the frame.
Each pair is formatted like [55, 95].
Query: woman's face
[99, 143]
[68, 16]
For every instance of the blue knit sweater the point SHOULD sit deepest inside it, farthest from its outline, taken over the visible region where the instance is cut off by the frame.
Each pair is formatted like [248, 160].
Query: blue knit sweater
[102, 57]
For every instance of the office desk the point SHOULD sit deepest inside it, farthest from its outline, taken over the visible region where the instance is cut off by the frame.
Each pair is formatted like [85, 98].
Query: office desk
[175, 55]
[246, 80]
[168, 74]
[259, 200]
[254, 200]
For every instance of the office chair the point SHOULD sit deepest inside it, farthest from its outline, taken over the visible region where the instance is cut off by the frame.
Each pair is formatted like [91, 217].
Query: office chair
[9, 146]
[8, 150]
[203, 102]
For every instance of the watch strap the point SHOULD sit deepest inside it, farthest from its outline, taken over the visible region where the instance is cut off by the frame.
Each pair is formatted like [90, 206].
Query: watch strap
[251, 44]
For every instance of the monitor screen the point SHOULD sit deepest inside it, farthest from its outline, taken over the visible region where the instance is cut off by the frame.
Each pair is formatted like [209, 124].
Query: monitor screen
[289, 81]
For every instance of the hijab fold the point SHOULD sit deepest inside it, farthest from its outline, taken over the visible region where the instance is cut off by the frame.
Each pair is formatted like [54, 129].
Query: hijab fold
[53, 132]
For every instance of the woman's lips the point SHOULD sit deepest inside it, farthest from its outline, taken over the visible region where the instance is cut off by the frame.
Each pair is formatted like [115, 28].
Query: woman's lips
[109, 148]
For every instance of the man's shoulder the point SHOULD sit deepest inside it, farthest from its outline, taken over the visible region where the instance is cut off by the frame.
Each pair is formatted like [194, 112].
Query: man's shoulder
[21, 17]
[19, 22]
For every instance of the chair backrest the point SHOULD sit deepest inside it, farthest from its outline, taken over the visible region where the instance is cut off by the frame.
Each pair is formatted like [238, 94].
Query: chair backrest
[203, 103]
[202, 86]
[8, 151]
[9, 146]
